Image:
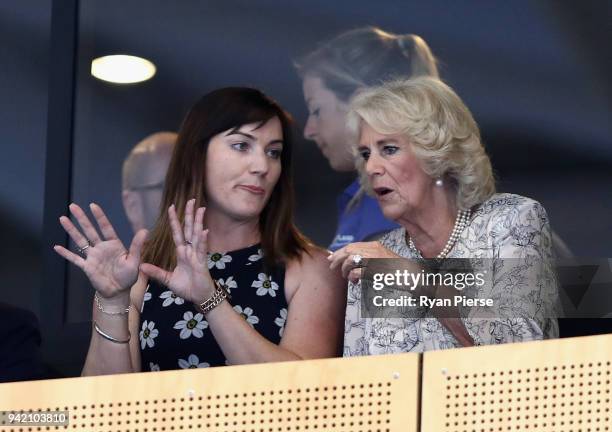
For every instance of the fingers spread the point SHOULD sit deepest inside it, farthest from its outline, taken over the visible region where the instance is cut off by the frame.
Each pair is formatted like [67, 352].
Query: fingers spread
[90, 231]
[202, 246]
[137, 243]
[198, 226]
[188, 220]
[70, 256]
[108, 232]
[75, 235]
[159, 274]
[175, 226]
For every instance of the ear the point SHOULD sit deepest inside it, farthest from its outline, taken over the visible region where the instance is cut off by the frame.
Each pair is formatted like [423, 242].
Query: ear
[132, 204]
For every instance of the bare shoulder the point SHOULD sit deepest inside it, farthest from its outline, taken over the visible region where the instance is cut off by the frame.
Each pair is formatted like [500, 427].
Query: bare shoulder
[311, 270]
[310, 263]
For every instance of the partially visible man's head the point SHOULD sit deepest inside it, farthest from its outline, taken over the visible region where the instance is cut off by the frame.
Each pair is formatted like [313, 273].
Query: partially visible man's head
[143, 175]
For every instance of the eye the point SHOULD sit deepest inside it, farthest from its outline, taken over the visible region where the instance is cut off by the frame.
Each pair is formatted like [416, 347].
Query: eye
[315, 112]
[240, 146]
[274, 153]
[390, 149]
[365, 154]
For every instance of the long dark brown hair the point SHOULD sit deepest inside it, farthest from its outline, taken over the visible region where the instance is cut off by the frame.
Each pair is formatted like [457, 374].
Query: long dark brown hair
[216, 112]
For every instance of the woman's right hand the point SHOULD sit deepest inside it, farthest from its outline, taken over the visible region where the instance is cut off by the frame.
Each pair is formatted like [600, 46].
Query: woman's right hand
[111, 269]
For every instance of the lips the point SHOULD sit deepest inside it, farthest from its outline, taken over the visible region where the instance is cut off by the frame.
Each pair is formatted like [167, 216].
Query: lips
[382, 191]
[253, 189]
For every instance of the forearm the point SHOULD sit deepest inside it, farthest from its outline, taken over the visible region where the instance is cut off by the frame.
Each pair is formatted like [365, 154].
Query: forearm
[104, 356]
[241, 343]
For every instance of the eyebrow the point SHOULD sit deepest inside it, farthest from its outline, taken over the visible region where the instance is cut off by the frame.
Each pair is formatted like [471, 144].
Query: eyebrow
[249, 136]
[238, 132]
[379, 143]
[386, 141]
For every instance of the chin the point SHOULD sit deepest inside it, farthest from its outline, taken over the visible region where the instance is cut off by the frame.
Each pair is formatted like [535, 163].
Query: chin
[389, 212]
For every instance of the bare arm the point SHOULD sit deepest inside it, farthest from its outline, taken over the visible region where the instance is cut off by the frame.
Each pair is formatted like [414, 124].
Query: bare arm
[112, 271]
[315, 319]
[316, 301]
[106, 357]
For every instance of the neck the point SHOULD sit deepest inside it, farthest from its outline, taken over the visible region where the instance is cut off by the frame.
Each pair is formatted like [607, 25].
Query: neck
[227, 234]
[431, 223]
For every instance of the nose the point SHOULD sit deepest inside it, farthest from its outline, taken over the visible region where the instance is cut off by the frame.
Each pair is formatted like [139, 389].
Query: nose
[374, 165]
[259, 164]
[310, 129]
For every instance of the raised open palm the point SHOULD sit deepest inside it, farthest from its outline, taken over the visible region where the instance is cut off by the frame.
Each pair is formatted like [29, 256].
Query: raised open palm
[111, 268]
[190, 279]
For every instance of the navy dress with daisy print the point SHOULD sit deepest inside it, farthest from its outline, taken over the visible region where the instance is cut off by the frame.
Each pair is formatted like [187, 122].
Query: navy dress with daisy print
[174, 335]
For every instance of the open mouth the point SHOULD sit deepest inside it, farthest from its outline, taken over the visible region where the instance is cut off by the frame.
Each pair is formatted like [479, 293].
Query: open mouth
[382, 191]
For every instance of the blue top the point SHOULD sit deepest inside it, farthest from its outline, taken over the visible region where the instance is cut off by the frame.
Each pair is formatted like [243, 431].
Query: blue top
[364, 221]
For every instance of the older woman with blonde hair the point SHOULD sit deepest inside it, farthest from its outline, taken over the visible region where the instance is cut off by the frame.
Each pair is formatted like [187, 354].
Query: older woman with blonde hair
[425, 164]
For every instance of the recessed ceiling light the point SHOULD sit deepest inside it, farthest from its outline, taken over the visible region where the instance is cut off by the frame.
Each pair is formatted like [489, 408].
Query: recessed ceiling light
[122, 69]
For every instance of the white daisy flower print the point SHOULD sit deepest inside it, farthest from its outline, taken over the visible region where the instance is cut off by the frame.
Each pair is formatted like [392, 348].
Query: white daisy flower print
[170, 298]
[154, 367]
[147, 334]
[147, 297]
[192, 362]
[228, 284]
[218, 260]
[191, 325]
[247, 314]
[255, 257]
[281, 320]
[265, 285]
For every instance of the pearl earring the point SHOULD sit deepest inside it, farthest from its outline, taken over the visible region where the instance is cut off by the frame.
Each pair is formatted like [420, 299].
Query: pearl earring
[439, 182]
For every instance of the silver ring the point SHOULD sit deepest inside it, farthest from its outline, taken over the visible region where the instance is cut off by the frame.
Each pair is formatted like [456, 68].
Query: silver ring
[81, 250]
[187, 242]
[357, 260]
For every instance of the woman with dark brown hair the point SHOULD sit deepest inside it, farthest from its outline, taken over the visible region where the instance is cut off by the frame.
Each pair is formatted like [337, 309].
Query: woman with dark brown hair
[225, 276]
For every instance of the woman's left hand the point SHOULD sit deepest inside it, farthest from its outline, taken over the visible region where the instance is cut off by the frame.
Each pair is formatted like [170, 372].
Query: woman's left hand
[344, 257]
[190, 279]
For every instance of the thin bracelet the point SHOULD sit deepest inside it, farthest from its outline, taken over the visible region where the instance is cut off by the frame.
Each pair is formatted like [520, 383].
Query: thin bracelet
[109, 337]
[101, 309]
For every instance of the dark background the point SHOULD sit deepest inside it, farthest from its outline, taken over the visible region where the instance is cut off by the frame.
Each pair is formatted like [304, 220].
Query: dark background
[536, 75]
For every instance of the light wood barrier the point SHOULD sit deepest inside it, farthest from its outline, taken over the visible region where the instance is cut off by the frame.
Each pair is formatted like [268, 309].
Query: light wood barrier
[366, 394]
[556, 385]
[550, 386]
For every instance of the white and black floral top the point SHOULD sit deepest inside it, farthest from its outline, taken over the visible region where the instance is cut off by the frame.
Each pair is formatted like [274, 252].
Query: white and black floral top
[175, 335]
[504, 226]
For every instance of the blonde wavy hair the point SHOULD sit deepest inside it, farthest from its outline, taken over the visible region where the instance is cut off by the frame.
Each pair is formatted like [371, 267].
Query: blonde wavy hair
[444, 136]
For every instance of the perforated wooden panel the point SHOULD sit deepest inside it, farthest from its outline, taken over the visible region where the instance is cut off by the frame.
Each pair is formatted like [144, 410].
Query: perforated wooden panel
[558, 386]
[369, 394]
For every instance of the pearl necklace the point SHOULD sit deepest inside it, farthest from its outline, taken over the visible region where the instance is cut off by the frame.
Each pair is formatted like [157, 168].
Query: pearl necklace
[462, 220]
